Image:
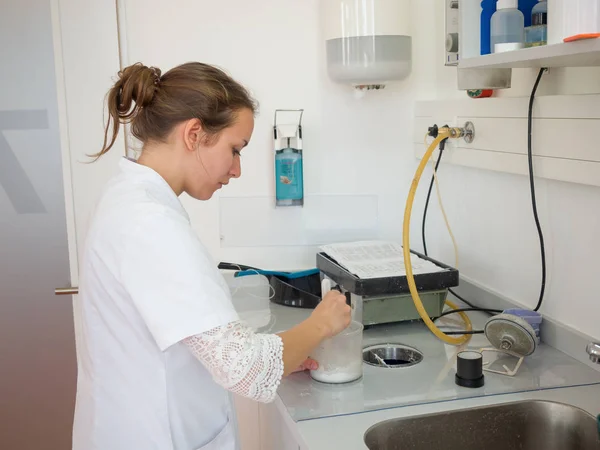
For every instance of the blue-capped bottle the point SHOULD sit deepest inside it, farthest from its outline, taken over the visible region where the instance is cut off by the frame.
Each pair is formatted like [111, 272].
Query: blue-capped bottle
[526, 7]
[488, 8]
[289, 170]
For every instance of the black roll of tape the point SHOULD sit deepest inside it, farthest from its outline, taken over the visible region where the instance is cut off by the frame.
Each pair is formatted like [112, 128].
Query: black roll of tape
[469, 369]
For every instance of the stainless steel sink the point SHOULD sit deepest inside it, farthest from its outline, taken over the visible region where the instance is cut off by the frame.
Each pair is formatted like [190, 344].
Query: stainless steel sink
[527, 425]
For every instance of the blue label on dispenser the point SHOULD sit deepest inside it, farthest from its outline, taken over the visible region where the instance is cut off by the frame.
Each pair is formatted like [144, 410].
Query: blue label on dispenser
[288, 173]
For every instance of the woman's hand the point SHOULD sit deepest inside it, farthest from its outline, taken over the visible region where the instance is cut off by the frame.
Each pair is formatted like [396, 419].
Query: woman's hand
[332, 314]
[330, 317]
[308, 364]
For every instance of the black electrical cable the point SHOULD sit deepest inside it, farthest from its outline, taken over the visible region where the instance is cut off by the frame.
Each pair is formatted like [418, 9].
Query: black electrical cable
[426, 208]
[454, 311]
[534, 209]
[463, 332]
[473, 307]
[424, 221]
[532, 187]
[423, 226]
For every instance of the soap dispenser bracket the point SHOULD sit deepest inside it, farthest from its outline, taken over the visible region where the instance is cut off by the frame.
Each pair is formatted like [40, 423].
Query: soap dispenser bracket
[301, 111]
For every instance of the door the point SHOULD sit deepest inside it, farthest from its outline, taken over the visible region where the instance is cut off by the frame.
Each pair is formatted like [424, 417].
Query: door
[37, 346]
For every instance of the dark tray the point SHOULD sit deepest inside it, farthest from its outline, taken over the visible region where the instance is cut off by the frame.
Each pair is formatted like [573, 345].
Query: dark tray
[389, 285]
[303, 292]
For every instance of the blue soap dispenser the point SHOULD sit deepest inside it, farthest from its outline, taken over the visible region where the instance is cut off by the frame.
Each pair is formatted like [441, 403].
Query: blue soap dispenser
[289, 175]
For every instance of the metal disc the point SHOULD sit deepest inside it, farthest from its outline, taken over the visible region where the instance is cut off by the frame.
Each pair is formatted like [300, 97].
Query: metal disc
[511, 333]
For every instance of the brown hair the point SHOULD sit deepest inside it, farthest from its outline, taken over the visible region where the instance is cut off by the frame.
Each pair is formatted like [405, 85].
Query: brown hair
[154, 104]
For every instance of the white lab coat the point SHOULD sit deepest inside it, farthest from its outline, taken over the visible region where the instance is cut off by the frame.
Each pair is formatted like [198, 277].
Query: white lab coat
[146, 283]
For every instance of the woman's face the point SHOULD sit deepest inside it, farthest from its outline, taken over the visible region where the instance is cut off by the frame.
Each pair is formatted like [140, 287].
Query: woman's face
[214, 163]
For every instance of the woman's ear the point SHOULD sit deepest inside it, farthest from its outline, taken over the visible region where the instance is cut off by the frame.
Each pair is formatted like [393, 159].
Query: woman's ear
[192, 134]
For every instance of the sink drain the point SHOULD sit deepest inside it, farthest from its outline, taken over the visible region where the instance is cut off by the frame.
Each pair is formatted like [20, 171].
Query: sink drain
[391, 356]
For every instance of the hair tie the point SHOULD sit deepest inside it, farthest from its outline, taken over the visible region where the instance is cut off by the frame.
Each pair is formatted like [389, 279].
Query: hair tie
[157, 74]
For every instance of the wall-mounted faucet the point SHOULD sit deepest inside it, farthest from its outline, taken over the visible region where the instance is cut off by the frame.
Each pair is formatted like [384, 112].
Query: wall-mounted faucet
[593, 349]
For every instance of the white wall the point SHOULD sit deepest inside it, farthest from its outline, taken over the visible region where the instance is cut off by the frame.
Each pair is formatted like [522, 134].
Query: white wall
[274, 47]
[492, 220]
[88, 65]
[364, 147]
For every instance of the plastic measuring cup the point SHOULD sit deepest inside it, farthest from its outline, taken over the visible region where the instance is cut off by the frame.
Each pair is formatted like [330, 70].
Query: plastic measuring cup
[340, 357]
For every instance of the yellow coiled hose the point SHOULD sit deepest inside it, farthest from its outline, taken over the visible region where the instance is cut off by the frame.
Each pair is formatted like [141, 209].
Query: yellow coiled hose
[443, 134]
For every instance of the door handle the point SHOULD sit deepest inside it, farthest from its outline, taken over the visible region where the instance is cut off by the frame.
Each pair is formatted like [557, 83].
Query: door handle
[66, 291]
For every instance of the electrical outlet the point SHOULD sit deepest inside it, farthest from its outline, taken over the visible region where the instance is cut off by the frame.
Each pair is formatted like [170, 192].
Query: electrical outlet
[452, 32]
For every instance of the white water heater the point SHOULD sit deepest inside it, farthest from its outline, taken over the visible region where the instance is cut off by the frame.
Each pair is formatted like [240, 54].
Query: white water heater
[368, 42]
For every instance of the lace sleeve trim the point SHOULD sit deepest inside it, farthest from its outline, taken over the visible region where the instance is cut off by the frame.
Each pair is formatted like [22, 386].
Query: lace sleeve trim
[242, 361]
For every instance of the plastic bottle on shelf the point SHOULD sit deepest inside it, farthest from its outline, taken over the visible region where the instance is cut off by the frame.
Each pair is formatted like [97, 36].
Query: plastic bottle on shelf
[537, 33]
[571, 20]
[488, 8]
[469, 28]
[539, 13]
[526, 6]
[555, 21]
[507, 27]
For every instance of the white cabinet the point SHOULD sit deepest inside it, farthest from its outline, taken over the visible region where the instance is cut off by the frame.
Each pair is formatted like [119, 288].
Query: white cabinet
[264, 426]
[248, 418]
[276, 430]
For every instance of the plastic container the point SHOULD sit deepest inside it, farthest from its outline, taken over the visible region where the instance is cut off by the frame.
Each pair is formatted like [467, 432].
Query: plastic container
[488, 8]
[582, 20]
[469, 28]
[507, 27]
[340, 357]
[526, 6]
[570, 20]
[537, 33]
[555, 21]
[531, 317]
[539, 13]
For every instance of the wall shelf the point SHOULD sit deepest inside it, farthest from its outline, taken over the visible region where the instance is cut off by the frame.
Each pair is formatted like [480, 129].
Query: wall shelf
[585, 53]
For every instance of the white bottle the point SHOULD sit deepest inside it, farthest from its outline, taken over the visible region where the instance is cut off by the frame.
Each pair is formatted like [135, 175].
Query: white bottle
[507, 28]
[569, 19]
[469, 28]
[537, 33]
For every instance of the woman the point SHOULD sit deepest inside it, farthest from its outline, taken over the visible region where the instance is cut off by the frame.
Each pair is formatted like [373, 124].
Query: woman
[159, 342]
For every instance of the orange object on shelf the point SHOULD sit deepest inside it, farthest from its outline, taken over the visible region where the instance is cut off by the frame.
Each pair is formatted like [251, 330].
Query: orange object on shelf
[480, 93]
[580, 37]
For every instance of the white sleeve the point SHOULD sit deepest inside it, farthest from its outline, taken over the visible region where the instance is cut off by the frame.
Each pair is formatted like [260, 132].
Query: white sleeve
[173, 282]
[240, 360]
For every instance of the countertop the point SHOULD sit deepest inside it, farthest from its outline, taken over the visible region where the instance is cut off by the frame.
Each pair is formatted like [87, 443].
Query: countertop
[348, 431]
[344, 412]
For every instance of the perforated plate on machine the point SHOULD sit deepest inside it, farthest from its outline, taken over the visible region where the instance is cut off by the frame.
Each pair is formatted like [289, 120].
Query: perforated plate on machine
[434, 281]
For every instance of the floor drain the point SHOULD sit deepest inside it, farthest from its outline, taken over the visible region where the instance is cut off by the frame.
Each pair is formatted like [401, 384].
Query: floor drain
[391, 356]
